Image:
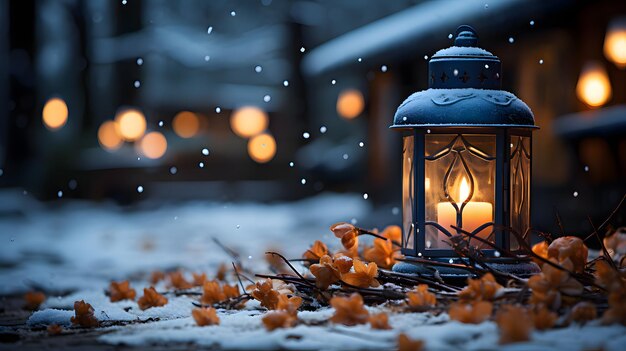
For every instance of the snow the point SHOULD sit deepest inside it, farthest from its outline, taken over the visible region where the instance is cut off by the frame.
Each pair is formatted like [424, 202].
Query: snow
[75, 249]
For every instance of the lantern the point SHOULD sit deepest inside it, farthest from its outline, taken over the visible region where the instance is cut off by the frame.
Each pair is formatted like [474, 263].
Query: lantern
[466, 162]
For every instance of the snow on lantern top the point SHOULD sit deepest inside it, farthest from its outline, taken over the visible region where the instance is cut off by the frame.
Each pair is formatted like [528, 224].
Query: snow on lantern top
[464, 91]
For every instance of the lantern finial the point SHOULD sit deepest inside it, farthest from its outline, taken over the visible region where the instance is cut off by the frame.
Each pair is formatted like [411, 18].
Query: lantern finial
[466, 36]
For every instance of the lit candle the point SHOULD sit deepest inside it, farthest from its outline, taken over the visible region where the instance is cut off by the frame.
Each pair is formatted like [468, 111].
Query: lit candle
[475, 214]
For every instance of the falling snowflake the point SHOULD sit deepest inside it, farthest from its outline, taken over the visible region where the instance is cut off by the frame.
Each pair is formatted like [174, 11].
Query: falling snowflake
[291, 164]
[586, 170]
[303, 181]
[361, 144]
[72, 184]
[425, 57]
[486, 6]
[511, 40]
[207, 58]
[1, 172]
[238, 226]
[345, 156]
[486, 66]
[532, 23]
[497, 254]
[450, 36]
[333, 82]
[395, 211]
[160, 123]
[60, 193]
[541, 62]
[140, 189]
[233, 13]
[205, 152]
[173, 170]
[365, 196]
[353, 221]
[137, 84]
[258, 69]
[575, 193]
[302, 49]
[359, 59]
[201, 164]
[139, 61]
[455, 72]
[383, 68]
[267, 98]
[323, 129]
[218, 109]
[208, 31]
[285, 83]
[124, 2]
[306, 135]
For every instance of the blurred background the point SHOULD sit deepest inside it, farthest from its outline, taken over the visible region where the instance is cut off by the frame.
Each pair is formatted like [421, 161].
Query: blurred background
[269, 101]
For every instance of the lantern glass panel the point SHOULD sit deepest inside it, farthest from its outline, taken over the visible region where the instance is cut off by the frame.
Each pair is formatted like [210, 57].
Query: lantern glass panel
[408, 192]
[520, 188]
[460, 171]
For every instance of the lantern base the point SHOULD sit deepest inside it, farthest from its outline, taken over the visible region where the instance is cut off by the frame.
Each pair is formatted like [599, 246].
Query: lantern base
[521, 268]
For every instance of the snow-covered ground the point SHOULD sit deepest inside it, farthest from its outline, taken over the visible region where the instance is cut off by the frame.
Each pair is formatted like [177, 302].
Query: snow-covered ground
[78, 248]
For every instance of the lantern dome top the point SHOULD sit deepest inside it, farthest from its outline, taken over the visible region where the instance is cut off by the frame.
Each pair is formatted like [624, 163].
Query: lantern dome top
[464, 90]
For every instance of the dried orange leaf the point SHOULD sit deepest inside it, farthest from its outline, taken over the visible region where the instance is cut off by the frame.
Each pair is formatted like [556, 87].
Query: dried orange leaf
[541, 250]
[473, 313]
[484, 288]
[349, 310]
[119, 291]
[363, 276]
[316, 251]
[393, 233]
[407, 344]
[178, 281]
[33, 299]
[572, 248]
[543, 318]
[278, 319]
[156, 277]
[265, 294]
[420, 298]
[346, 232]
[383, 253]
[212, 293]
[584, 312]
[151, 298]
[205, 316]
[221, 272]
[379, 321]
[84, 315]
[325, 272]
[54, 329]
[199, 279]
[515, 324]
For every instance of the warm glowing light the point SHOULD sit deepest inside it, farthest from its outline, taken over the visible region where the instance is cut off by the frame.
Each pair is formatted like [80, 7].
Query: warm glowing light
[131, 124]
[262, 148]
[427, 184]
[109, 136]
[54, 114]
[615, 43]
[350, 103]
[464, 190]
[593, 87]
[153, 145]
[186, 124]
[248, 121]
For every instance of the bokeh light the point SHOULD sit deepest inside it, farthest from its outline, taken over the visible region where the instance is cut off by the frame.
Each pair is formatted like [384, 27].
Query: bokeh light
[186, 124]
[350, 103]
[153, 145]
[131, 124]
[262, 148]
[248, 121]
[615, 43]
[594, 87]
[54, 114]
[109, 136]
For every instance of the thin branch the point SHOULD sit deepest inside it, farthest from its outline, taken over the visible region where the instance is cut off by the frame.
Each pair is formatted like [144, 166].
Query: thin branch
[606, 222]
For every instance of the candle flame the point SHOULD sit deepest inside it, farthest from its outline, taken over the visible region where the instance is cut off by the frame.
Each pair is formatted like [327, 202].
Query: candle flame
[464, 190]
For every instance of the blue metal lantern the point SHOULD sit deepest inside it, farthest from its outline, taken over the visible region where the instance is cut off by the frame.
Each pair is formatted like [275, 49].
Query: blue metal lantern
[467, 155]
